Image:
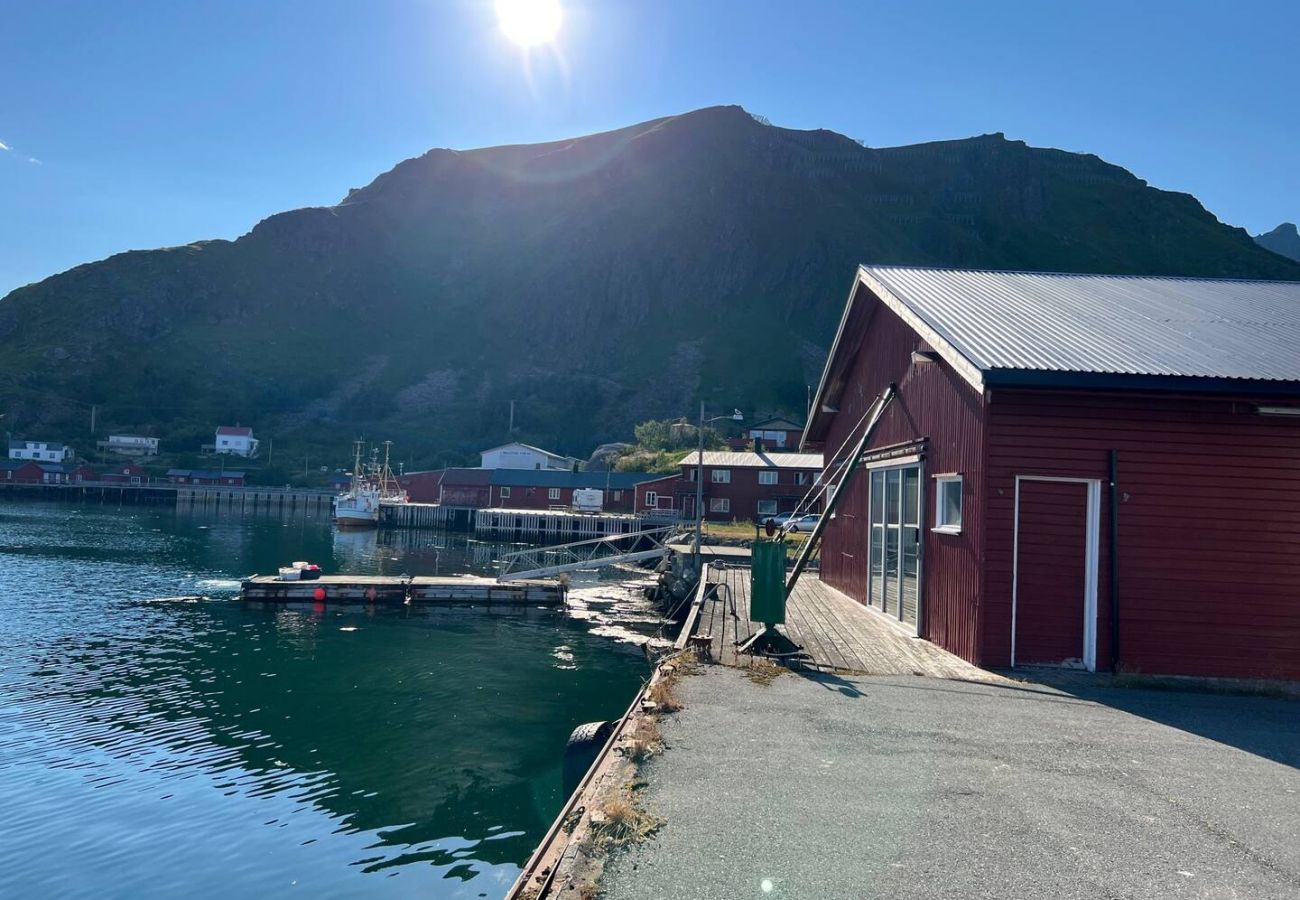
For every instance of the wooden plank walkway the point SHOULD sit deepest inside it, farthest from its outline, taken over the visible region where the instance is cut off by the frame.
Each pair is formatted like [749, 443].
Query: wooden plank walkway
[839, 634]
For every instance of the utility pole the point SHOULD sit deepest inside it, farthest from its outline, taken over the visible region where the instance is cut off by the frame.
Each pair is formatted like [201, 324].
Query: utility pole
[699, 492]
[93, 410]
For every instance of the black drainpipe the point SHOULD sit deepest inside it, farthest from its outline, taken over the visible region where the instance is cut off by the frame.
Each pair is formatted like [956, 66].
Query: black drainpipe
[1114, 561]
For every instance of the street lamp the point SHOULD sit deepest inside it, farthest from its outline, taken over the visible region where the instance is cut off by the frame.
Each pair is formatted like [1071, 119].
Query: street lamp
[699, 477]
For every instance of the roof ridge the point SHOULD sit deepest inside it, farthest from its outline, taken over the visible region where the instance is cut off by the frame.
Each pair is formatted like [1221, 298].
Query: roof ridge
[1130, 277]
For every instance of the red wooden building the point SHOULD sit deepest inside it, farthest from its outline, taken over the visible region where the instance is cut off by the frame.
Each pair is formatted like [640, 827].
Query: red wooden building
[124, 474]
[657, 496]
[542, 489]
[747, 486]
[1076, 470]
[449, 487]
[206, 477]
[21, 472]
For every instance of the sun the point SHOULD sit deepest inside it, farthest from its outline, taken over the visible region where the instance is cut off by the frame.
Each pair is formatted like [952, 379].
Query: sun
[529, 22]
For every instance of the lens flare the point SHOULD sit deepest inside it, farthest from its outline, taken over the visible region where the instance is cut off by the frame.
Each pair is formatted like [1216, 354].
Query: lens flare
[529, 22]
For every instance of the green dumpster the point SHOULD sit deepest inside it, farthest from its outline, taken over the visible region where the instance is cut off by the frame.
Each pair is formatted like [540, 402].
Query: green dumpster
[767, 583]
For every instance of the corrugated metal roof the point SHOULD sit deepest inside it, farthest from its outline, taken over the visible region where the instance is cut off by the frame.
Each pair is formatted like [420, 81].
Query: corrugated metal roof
[751, 460]
[1110, 324]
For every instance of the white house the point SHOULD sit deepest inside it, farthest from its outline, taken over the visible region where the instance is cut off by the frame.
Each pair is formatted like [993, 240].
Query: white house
[524, 456]
[236, 440]
[130, 445]
[42, 451]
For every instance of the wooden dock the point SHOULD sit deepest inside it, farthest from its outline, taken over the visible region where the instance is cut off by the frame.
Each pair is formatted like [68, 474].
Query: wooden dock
[389, 589]
[426, 515]
[552, 526]
[838, 634]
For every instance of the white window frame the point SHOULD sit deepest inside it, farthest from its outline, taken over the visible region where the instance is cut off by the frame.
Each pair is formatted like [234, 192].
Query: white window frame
[652, 499]
[505, 493]
[552, 493]
[769, 476]
[771, 507]
[720, 476]
[719, 504]
[940, 485]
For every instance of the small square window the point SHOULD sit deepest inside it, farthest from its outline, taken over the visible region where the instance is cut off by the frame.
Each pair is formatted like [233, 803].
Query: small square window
[553, 493]
[767, 476]
[767, 507]
[719, 504]
[947, 504]
[505, 493]
[651, 499]
[802, 477]
[721, 476]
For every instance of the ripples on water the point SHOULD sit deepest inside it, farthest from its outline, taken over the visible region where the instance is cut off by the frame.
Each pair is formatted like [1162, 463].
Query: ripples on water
[214, 749]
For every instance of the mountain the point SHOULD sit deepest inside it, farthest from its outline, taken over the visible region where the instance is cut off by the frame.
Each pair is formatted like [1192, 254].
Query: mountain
[597, 282]
[1284, 240]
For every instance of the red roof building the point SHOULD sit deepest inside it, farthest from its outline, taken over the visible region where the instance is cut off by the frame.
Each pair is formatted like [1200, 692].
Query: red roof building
[1078, 471]
[747, 486]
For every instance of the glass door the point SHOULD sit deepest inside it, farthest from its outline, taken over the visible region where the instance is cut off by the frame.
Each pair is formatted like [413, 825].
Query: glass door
[895, 542]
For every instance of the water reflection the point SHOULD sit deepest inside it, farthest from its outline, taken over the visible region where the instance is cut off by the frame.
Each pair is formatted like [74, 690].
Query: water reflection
[156, 748]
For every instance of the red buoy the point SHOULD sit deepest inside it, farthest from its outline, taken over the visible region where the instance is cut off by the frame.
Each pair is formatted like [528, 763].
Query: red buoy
[319, 594]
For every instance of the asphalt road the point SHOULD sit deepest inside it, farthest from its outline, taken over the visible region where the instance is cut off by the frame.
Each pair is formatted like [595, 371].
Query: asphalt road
[828, 788]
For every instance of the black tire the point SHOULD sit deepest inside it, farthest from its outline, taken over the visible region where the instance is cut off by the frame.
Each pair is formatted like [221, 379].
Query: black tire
[581, 751]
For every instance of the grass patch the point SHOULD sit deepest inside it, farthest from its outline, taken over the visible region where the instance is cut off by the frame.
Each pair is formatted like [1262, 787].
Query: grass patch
[764, 673]
[644, 740]
[663, 693]
[622, 821]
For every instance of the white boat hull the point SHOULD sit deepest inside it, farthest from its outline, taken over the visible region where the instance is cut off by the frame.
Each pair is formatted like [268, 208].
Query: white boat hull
[357, 509]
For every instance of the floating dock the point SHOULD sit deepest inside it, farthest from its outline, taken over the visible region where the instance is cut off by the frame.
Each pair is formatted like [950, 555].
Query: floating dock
[388, 589]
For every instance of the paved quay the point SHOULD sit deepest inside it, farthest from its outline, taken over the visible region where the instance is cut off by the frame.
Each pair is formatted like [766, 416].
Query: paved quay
[826, 786]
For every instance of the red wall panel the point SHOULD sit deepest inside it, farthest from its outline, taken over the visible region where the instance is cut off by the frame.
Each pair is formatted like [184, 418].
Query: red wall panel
[1209, 525]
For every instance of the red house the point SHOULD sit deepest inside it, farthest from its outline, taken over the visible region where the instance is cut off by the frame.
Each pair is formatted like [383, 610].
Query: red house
[1088, 471]
[747, 485]
[80, 474]
[206, 477]
[543, 489]
[657, 496]
[125, 474]
[449, 487]
[21, 472]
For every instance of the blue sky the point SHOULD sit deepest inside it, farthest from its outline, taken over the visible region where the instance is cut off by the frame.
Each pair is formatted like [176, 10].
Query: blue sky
[159, 123]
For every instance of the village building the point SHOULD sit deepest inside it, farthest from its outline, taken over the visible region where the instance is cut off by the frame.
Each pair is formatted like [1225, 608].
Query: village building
[658, 496]
[539, 489]
[1075, 470]
[39, 451]
[210, 477]
[124, 474]
[14, 471]
[235, 440]
[129, 445]
[449, 487]
[525, 456]
[747, 485]
[770, 434]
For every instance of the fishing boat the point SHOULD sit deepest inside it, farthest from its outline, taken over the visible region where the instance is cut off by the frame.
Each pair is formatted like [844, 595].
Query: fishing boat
[372, 485]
